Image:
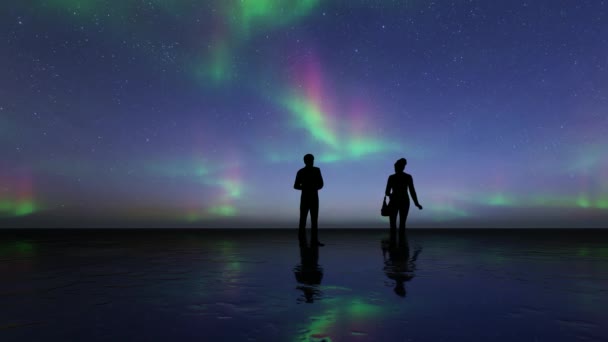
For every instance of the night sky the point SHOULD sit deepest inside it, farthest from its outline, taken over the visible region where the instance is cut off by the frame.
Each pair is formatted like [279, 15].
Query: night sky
[199, 112]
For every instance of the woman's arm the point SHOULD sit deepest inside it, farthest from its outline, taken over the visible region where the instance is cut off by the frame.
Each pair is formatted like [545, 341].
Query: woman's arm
[413, 192]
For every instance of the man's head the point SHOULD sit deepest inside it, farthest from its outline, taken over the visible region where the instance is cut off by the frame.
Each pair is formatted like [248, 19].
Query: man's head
[400, 165]
[309, 160]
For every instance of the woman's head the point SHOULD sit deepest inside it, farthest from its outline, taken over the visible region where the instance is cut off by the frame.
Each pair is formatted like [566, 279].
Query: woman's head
[400, 165]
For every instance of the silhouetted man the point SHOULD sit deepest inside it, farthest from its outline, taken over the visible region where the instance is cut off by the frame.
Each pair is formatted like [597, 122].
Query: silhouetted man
[309, 181]
[397, 189]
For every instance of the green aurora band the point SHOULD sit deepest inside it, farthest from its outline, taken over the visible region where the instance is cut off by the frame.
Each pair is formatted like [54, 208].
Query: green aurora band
[17, 208]
[308, 116]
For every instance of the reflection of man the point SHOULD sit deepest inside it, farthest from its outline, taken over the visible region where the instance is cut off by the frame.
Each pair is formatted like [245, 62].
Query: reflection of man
[308, 273]
[309, 181]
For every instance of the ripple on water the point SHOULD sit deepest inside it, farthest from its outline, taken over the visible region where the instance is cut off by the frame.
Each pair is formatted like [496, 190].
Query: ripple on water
[577, 324]
[15, 325]
[358, 333]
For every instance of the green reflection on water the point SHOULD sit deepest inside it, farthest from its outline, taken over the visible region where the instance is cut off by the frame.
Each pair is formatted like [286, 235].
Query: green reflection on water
[23, 248]
[345, 311]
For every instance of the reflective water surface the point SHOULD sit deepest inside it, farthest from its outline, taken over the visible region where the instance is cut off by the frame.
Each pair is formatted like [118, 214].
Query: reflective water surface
[266, 286]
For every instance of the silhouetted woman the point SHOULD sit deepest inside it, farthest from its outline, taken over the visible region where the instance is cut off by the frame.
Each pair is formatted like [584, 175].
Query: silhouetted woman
[397, 188]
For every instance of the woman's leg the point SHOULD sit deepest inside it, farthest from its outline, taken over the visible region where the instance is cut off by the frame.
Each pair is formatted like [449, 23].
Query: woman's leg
[393, 216]
[403, 211]
[393, 224]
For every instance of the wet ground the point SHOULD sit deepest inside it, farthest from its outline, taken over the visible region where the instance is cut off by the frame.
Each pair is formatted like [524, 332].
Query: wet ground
[262, 286]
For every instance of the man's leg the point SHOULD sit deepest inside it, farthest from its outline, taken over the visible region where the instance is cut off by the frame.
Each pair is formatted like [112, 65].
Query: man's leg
[303, 215]
[314, 217]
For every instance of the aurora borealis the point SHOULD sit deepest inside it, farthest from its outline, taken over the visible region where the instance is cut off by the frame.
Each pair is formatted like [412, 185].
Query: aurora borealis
[191, 112]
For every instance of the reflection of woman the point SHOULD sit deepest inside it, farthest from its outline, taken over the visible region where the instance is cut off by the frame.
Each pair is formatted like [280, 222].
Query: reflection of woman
[399, 266]
[397, 189]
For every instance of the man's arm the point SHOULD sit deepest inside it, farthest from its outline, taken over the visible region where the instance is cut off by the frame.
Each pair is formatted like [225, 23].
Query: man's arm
[413, 192]
[298, 183]
[387, 192]
[320, 185]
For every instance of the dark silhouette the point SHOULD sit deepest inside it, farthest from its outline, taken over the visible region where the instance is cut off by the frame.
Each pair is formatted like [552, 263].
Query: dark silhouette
[309, 181]
[399, 266]
[308, 273]
[397, 190]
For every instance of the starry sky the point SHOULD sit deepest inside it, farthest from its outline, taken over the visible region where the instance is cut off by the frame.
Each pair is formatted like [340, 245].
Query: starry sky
[198, 112]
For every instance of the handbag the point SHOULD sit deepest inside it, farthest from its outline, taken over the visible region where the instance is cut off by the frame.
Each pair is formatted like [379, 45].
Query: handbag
[385, 211]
